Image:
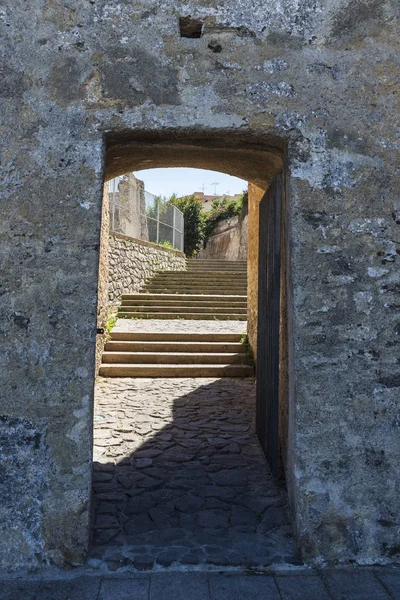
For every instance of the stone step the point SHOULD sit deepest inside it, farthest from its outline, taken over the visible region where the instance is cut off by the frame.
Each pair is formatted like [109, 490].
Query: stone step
[178, 308]
[189, 278]
[205, 270]
[216, 267]
[173, 346]
[190, 297]
[202, 273]
[188, 316]
[178, 301]
[201, 276]
[214, 261]
[161, 336]
[224, 264]
[174, 370]
[209, 269]
[214, 283]
[213, 287]
[212, 268]
[197, 291]
[181, 358]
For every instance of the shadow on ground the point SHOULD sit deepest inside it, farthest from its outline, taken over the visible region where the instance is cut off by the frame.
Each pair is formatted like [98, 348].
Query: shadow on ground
[179, 477]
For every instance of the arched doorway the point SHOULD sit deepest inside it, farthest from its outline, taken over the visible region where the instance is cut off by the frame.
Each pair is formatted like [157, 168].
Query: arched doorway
[261, 165]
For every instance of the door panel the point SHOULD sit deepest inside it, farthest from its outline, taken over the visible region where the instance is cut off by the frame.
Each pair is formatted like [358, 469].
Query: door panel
[267, 364]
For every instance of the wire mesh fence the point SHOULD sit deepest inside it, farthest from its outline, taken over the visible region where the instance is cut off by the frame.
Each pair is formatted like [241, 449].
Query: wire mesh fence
[149, 217]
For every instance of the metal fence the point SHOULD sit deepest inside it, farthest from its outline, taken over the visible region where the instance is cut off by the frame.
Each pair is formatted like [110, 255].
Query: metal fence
[150, 218]
[165, 222]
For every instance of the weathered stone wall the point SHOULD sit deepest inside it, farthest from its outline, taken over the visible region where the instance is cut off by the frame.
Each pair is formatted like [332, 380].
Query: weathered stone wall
[103, 277]
[255, 195]
[128, 208]
[228, 240]
[316, 79]
[132, 261]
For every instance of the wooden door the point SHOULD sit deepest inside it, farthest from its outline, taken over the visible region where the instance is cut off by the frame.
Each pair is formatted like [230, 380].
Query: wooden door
[267, 364]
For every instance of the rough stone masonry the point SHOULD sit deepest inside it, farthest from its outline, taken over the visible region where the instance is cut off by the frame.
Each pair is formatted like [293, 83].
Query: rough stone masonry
[316, 79]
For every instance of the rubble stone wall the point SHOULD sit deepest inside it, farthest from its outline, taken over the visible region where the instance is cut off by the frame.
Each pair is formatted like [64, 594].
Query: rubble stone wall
[132, 262]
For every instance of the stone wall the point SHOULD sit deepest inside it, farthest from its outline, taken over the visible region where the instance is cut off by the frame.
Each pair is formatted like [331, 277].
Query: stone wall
[103, 277]
[132, 261]
[228, 240]
[128, 208]
[313, 82]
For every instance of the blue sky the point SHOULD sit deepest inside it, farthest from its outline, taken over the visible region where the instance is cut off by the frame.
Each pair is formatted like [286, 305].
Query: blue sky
[165, 182]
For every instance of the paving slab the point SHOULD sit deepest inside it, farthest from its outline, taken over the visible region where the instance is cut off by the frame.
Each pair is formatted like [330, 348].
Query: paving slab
[391, 581]
[360, 583]
[179, 476]
[354, 585]
[179, 586]
[243, 587]
[132, 588]
[82, 588]
[299, 587]
[16, 590]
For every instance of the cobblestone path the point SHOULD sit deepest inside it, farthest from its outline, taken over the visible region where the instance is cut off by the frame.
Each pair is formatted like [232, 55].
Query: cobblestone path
[179, 477]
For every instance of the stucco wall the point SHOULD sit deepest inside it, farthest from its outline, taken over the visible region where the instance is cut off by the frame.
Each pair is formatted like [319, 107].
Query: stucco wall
[317, 78]
[132, 261]
[228, 240]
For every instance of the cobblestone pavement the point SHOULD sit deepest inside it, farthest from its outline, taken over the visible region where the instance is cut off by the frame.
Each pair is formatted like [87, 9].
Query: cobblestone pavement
[179, 477]
[344, 584]
[180, 326]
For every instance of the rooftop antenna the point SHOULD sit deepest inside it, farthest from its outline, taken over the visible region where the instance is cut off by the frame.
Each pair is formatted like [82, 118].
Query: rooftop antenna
[215, 187]
[203, 187]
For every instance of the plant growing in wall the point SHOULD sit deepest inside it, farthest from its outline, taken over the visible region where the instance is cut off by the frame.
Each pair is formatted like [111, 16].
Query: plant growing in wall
[221, 209]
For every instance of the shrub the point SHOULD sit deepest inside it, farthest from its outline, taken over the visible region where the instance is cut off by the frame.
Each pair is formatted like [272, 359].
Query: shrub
[222, 208]
[191, 207]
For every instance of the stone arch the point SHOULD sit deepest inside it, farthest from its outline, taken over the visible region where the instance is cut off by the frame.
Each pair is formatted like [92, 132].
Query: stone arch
[250, 157]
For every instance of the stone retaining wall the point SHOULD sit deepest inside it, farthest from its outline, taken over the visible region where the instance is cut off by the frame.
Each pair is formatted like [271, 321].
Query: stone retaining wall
[228, 240]
[133, 261]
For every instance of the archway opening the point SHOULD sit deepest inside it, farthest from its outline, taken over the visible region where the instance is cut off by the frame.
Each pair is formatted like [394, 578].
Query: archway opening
[170, 488]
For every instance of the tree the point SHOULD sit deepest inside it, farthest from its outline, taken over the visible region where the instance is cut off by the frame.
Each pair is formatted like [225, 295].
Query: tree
[191, 207]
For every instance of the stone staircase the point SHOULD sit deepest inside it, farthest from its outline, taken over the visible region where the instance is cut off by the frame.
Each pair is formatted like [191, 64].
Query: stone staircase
[130, 354]
[207, 290]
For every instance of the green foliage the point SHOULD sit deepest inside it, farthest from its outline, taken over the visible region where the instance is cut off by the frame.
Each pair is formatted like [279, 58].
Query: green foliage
[244, 340]
[191, 207]
[167, 244]
[111, 321]
[221, 209]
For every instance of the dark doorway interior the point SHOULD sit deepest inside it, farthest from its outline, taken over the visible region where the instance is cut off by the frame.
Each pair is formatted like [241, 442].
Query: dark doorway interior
[268, 343]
